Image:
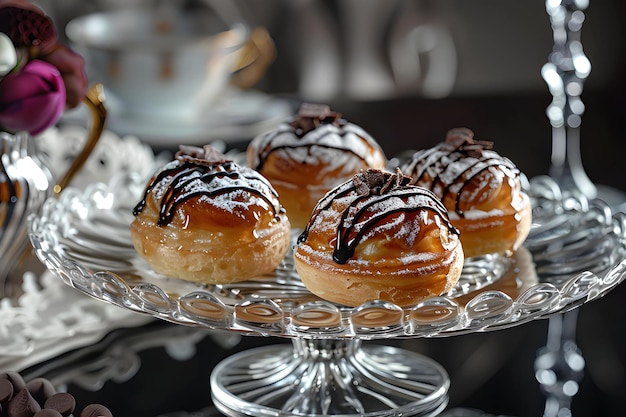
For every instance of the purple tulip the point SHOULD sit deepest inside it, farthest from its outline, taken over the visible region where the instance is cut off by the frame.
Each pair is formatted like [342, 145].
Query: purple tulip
[33, 98]
[72, 69]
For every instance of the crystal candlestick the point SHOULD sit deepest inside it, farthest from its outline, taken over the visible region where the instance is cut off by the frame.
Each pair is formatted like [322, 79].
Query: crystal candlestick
[565, 73]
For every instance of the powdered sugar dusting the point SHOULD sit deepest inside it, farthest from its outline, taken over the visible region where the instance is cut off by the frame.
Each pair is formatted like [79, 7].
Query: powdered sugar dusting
[226, 186]
[400, 213]
[319, 145]
[446, 170]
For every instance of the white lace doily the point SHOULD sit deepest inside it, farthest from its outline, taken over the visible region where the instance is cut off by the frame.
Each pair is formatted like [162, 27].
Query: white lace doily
[112, 155]
[50, 318]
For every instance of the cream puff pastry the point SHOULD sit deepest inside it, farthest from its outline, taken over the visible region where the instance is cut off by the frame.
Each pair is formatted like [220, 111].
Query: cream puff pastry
[206, 219]
[306, 156]
[481, 189]
[376, 237]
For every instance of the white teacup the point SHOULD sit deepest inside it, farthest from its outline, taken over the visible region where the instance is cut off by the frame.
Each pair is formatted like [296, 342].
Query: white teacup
[158, 65]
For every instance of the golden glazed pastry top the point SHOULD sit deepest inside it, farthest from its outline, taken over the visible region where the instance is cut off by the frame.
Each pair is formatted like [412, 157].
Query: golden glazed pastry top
[352, 218]
[314, 136]
[202, 176]
[466, 174]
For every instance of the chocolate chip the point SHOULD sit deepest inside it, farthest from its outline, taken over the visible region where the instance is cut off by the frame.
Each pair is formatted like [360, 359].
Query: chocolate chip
[96, 410]
[62, 402]
[6, 390]
[41, 389]
[22, 405]
[47, 412]
[38, 398]
[15, 379]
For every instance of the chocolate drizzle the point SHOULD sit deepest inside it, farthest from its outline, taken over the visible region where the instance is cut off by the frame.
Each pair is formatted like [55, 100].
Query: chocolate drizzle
[374, 196]
[453, 164]
[204, 172]
[301, 132]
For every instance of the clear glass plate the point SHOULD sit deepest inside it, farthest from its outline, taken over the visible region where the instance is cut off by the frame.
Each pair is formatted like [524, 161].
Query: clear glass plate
[574, 254]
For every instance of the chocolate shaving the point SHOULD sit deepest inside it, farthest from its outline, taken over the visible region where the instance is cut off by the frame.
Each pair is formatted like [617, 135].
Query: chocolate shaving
[377, 182]
[310, 116]
[207, 155]
[463, 139]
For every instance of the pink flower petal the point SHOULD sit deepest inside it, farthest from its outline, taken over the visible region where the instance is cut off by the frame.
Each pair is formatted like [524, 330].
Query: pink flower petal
[32, 99]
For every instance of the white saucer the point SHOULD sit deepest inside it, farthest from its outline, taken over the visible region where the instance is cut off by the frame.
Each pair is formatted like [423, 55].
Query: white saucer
[237, 116]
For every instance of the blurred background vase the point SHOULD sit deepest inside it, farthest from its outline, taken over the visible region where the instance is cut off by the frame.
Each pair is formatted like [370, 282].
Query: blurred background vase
[26, 182]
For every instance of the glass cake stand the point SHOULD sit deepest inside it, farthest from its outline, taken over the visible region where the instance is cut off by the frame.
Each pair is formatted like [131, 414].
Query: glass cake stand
[575, 254]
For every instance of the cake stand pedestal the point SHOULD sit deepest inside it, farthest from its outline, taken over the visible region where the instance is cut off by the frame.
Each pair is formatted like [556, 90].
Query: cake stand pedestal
[329, 377]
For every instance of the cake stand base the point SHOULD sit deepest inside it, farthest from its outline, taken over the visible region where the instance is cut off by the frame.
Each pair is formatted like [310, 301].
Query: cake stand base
[320, 377]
